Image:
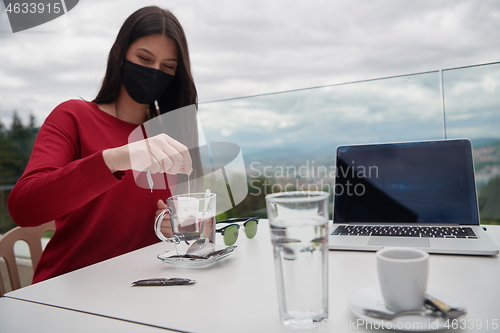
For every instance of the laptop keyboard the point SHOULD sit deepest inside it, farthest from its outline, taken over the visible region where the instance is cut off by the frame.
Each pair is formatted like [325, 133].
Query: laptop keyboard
[405, 231]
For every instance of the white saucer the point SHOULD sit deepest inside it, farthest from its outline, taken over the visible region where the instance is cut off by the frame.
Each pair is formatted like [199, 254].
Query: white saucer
[192, 262]
[371, 298]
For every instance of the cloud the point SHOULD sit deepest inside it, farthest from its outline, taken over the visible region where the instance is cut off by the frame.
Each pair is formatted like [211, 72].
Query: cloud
[253, 46]
[390, 109]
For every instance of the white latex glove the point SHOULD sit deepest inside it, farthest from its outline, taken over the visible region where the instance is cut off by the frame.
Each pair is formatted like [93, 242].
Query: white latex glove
[160, 153]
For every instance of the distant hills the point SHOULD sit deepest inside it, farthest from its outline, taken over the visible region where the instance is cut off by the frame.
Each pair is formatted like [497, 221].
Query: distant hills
[486, 155]
[486, 160]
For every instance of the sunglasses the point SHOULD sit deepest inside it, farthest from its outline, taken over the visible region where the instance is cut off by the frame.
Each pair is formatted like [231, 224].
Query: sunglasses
[231, 231]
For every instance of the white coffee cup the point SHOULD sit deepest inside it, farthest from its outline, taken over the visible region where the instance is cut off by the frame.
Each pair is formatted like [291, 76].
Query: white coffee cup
[403, 275]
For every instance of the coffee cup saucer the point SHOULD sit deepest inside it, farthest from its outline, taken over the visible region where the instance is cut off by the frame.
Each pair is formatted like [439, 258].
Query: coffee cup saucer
[171, 257]
[371, 298]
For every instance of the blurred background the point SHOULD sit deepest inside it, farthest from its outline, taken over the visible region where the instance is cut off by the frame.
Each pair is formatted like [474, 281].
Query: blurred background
[287, 82]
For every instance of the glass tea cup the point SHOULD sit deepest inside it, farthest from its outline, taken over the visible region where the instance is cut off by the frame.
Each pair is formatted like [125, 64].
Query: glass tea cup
[192, 217]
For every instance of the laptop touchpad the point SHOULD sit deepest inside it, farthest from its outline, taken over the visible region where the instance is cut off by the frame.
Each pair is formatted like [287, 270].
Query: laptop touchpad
[399, 242]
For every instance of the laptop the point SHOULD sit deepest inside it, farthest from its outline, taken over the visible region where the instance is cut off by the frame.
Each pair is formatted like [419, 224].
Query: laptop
[408, 194]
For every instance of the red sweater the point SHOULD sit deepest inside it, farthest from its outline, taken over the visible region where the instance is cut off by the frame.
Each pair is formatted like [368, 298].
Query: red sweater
[98, 214]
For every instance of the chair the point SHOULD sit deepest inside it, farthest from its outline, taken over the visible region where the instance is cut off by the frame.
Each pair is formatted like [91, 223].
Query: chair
[32, 236]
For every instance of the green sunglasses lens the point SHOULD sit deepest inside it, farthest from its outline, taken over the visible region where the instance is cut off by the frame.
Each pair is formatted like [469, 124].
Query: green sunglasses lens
[251, 228]
[230, 235]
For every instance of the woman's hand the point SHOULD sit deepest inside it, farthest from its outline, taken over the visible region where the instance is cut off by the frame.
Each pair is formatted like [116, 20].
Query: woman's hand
[165, 227]
[159, 153]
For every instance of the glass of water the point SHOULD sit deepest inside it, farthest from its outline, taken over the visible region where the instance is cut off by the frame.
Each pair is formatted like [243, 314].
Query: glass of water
[299, 234]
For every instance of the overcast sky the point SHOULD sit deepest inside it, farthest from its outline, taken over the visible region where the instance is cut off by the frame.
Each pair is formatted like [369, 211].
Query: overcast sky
[248, 47]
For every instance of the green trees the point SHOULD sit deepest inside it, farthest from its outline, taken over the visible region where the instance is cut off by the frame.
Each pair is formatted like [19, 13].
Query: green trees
[16, 144]
[489, 202]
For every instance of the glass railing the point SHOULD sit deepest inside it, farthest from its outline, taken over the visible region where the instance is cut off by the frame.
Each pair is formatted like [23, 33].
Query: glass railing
[288, 139]
[472, 105]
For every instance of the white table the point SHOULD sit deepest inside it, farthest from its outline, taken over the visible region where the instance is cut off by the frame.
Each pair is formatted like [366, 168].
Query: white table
[18, 316]
[238, 294]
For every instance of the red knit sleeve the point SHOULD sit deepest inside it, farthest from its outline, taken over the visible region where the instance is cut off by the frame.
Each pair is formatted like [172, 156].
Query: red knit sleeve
[57, 180]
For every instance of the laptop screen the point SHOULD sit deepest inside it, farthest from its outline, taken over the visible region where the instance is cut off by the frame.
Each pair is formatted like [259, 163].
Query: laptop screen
[413, 182]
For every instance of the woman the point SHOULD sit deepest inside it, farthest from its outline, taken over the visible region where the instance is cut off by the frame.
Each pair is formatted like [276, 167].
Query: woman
[80, 172]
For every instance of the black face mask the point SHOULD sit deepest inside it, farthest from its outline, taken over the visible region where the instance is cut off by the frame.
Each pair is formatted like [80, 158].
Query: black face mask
[145, 85]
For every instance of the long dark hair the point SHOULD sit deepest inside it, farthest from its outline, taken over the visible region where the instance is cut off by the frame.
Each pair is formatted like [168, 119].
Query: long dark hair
[149, 21]
[181, 91]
